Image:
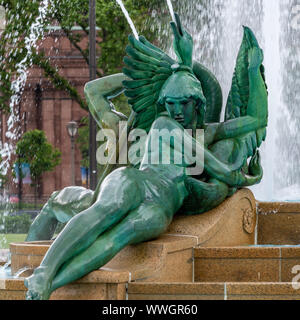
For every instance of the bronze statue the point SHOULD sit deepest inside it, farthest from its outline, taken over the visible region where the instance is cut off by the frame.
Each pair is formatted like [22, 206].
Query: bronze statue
[137, 203]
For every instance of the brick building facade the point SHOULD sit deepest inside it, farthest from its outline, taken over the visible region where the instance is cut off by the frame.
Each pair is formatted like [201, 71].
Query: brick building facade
[46, 108]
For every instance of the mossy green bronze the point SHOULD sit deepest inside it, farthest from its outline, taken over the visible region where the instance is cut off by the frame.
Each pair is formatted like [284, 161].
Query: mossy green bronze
[137, 203]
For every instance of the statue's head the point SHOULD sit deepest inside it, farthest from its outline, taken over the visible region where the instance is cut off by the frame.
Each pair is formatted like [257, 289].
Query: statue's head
[183, 99]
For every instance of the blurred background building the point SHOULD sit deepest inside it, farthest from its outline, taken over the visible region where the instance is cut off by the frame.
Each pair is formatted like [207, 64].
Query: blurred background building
[46, 108]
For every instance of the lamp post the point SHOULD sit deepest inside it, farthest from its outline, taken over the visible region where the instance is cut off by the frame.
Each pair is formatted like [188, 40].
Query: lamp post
[93, 68]
[72, 131]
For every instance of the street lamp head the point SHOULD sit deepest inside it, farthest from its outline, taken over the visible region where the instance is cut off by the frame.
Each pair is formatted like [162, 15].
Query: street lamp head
[72, 127]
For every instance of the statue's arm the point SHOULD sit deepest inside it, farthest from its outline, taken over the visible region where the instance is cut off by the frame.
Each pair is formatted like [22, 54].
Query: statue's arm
[233, 178]
[222, 171]
[212, 165]
[98, 94]
[237, 127]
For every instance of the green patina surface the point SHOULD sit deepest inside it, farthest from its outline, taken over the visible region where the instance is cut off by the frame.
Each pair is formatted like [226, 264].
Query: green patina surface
[135, 204]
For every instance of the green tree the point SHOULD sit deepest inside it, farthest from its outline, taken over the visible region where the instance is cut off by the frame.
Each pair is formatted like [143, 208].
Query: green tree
[17, 224]
[114, 29]
[34, 149]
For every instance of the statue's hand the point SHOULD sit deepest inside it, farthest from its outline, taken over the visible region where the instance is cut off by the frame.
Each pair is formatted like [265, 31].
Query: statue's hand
[183, 43]
[240, 179]
[255, 168]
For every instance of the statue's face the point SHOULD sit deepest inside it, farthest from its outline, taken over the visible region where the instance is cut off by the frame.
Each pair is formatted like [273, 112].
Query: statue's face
[183, 110]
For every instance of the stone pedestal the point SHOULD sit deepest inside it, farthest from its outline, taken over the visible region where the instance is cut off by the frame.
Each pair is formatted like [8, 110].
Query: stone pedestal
[230, 224]
[278, 223]
[168, 259]
[159, 260]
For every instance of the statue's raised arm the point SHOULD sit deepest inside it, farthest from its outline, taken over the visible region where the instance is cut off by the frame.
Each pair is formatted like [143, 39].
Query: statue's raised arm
[98, 94]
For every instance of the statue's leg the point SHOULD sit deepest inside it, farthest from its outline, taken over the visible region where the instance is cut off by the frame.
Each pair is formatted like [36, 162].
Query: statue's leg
[61, 207]
[119, 194]
[44, 224]
[144, 223]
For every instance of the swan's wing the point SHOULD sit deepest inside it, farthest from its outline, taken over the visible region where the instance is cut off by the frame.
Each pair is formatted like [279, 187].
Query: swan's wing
[248, 94]
[239, 96]
[212, 92]
[148, 68]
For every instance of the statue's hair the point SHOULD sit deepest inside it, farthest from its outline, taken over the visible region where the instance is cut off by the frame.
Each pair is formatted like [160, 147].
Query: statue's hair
[183, 84]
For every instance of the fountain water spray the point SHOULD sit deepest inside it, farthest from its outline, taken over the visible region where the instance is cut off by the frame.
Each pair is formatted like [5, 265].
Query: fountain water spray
[13, 132]
[17, 85]
[272, 63]
[171, 10]
[120, 3]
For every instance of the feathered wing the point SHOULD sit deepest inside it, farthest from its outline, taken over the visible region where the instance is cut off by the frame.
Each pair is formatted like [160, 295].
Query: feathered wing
[148, 67]
[212, 92]
[239, 99]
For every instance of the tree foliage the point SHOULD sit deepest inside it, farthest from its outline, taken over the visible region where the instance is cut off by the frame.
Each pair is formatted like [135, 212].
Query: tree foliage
[17, 54]
[21, 17]
[34, 149]
[16, 224]
[114, 29]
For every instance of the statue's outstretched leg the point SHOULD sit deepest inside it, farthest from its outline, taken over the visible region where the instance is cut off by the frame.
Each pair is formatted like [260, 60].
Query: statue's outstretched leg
[61, 207]
[118, 195]
[44, 224]
[144, 223]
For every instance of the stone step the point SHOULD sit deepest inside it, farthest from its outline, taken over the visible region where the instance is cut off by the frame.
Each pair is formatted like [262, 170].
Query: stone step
[278, 223]
[247, 264]
[157, 260]
[15, 290]
[213, 291]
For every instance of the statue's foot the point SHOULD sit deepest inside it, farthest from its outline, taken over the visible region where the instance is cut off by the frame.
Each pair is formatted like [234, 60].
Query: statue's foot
[38, 285]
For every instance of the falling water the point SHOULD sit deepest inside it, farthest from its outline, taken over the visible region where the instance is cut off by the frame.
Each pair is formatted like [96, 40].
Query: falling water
[272, 61]
[170, 6]
[216, 27]
[120, 3]
[287, 152]
[17, 87]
